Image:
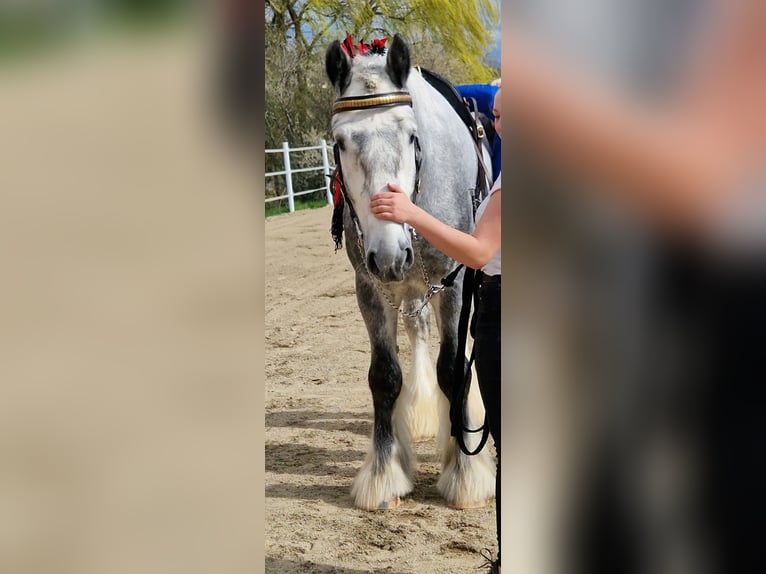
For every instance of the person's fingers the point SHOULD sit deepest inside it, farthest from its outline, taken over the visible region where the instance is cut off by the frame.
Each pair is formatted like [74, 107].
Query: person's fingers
[380, 209]
[383, 198]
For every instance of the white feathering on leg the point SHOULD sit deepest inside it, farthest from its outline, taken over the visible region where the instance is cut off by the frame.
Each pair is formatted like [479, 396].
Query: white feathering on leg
[420, 391]
[376, 488]
[466, 481]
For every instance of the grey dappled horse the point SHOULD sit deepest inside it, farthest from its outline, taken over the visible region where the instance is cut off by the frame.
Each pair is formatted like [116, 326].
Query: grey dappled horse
[390, 125]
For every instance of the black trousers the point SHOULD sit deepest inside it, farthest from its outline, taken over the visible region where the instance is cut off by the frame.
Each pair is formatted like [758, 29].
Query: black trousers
[487, 356]
[734, 412]
[717, 398]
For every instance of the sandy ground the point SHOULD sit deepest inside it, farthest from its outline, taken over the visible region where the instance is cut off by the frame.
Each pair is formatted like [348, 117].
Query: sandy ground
[318, 428]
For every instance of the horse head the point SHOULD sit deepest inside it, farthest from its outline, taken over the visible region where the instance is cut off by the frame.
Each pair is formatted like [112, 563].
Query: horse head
[375, 134]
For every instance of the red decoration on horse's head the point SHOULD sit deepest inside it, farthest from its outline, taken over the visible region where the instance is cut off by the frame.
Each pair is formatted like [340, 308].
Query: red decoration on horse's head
[348, 46]
[339, 203]
[337, 195]
[378, 46]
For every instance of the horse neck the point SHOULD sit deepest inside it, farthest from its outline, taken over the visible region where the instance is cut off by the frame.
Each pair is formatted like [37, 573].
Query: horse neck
[432, 112]
[448, 154]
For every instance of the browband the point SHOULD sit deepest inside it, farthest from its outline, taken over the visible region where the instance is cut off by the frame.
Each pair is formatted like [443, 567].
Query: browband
[372, 101]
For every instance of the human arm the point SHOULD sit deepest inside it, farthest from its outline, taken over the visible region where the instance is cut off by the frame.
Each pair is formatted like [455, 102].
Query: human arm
[676, 165]
[474, 250]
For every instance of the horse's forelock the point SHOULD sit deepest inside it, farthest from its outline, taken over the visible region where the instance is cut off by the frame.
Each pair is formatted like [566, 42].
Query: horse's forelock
[368, 76]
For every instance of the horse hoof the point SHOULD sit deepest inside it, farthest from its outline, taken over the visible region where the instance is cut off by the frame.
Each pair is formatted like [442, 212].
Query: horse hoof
[468, 505]
[390, 504]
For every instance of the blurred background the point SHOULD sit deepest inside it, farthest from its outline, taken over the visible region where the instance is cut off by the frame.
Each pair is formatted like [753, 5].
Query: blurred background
[633, 308]
[131, 300]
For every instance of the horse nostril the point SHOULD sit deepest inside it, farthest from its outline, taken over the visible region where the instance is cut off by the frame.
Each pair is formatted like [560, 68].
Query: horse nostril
[371, 265]
[409, 256]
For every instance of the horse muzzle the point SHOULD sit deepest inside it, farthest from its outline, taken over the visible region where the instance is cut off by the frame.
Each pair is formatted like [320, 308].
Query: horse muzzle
[390, 265]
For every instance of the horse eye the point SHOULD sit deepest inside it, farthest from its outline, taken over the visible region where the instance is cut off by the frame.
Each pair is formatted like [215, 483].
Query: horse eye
[341, 145]
[412, 138]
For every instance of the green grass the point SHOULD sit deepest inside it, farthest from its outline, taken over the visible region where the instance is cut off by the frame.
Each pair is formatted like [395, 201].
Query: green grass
[279, 207]
[25, 37]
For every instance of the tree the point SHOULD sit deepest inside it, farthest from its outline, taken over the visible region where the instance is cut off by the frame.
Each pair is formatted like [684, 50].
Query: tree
[463, 28]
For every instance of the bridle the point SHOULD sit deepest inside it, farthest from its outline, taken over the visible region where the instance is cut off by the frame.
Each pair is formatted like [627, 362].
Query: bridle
[373, 101]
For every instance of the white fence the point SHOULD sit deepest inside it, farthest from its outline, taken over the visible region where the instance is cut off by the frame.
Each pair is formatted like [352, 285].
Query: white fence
[288, 172]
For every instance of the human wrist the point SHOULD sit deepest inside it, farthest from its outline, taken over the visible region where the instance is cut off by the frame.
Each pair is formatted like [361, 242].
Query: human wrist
[410, 217]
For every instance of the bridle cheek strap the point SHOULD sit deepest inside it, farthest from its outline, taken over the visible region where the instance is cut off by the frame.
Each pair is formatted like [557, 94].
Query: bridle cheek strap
[339, 202]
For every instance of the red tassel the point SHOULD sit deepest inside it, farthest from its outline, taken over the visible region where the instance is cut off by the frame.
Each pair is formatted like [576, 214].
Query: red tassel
[348, 46]
[337, 191]
[378, 46]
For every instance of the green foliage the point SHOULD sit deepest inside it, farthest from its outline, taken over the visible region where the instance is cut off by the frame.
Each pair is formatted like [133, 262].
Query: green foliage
[27, 32]
[280, 206]
[30, 27]
[298, 109]
[462, 29]
[144, 10]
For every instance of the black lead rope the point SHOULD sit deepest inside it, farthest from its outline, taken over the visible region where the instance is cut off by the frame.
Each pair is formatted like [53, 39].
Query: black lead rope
[463, 377]
[449, 280]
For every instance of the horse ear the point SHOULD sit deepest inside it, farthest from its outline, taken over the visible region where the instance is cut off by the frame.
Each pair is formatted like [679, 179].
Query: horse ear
[338, 65]
[398, 61]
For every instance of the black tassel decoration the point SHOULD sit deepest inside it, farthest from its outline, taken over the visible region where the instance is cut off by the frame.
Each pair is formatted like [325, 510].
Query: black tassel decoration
[336, 228]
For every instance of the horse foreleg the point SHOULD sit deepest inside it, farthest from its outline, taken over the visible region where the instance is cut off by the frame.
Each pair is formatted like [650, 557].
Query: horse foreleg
[419, 401]
[465, 481]
[385, 473]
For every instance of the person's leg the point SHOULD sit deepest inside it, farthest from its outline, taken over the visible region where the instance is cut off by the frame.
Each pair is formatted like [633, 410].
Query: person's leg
[736, 431]
[487, 349]
[724, 311]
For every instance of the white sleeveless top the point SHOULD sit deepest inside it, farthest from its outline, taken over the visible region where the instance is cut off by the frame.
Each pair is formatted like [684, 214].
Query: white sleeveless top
[493, 265]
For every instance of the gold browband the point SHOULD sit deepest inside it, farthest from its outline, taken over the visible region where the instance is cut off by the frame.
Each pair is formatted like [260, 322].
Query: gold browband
[373, 101]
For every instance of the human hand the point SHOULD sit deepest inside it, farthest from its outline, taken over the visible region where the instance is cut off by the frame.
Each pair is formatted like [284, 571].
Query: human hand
[393, 205]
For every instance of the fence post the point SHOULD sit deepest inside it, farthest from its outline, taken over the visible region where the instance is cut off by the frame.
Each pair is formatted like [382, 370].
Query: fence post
[288, 176]
[326, 165]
